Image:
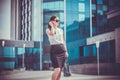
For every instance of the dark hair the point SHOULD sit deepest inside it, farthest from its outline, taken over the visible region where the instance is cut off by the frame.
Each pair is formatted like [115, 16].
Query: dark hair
[52, 18]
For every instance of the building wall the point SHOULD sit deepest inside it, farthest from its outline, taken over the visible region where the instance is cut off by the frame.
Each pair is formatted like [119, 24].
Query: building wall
[100, 25]
[5, 19]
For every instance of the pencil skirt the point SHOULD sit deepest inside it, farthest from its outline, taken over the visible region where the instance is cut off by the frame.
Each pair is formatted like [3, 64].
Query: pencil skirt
[57, 55]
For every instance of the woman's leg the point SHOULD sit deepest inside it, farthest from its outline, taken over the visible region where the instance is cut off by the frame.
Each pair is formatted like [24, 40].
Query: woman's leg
[59, 75]
[56, 73]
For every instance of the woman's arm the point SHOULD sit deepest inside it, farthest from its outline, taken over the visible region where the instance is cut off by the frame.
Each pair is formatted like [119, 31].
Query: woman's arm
[66, 54]
[51, 31]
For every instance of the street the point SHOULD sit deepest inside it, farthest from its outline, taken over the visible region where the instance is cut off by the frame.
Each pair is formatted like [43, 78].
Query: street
[46, 75]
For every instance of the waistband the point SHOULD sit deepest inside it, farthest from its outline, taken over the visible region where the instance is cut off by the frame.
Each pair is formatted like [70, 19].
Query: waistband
[56, 44]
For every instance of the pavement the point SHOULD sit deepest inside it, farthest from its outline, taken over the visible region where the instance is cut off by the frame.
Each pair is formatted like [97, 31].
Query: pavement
[46, 75]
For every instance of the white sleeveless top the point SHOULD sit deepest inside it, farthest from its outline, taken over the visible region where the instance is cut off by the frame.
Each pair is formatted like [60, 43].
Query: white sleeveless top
[56, 38]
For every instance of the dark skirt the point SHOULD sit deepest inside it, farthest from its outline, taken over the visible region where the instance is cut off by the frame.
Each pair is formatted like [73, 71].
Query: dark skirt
[57, 54]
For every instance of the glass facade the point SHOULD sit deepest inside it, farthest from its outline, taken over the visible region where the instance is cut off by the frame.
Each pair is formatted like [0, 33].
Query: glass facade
[100, 22]
[7, 58]
[16, 57]
[78, 24]
[99, 18]
[114, 22]
[107, 52]
[75, 16]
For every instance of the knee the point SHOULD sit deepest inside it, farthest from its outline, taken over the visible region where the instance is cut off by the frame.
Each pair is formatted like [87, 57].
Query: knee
[57, 69]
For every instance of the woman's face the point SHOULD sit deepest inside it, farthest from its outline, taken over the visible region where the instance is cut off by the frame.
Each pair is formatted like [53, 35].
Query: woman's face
[56, 21]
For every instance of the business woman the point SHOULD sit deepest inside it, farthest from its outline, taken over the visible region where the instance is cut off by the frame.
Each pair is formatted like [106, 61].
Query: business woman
[58, 50]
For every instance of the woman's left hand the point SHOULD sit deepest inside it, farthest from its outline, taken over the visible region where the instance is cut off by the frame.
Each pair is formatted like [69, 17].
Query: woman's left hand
[66, 54]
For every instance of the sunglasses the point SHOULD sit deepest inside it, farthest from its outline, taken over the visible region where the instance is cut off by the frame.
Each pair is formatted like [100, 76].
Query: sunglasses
[57, 20]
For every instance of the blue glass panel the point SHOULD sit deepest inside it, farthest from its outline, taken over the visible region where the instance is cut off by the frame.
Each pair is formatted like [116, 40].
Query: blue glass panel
[9, 65]
[61, 26]
[61, 16]
[105, 8]
[93, 30]
[81, 17]
[94, 50]
[86, 51]
[1, 51]
[93, 7]
[21, 51]
[81, 0]
[57, 5]
[9, 52]
[100, 12]
[81, 7]
[100, 2]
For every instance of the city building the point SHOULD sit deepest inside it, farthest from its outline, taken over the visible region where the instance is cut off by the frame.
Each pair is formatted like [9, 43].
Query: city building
[20, 42]
[91, 30]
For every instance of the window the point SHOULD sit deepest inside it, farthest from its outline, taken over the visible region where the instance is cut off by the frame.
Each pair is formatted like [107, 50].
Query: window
[81, 7]
[93, 7]
[100, 12]
[104, 8]
[100, 2]
[81, 17]
[81, 52]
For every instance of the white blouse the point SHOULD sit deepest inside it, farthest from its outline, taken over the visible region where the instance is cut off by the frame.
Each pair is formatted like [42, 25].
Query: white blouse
[56, 38]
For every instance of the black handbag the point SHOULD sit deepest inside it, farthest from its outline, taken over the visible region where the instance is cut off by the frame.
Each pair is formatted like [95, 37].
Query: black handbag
[66, 69]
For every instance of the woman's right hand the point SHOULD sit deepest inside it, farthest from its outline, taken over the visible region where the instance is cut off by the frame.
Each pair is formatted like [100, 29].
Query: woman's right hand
[51, 23]
[52, 30]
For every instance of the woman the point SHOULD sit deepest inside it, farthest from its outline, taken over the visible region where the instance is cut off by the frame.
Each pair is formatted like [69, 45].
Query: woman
[58, 51]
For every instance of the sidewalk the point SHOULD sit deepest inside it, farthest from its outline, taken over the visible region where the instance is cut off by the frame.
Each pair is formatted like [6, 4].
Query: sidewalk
[46, 75]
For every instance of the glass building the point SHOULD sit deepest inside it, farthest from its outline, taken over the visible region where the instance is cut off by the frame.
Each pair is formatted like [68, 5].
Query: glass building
[24, 43]
[20, 46]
